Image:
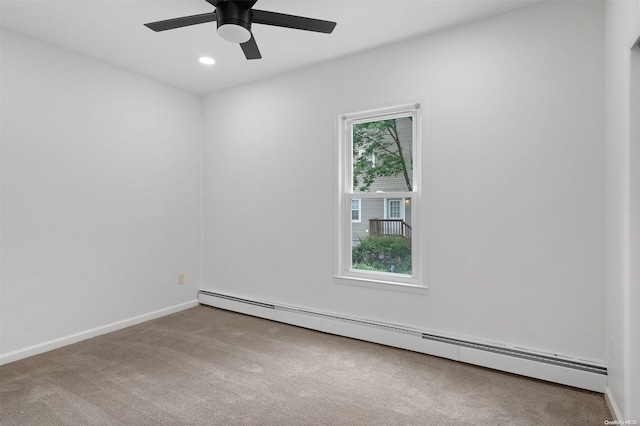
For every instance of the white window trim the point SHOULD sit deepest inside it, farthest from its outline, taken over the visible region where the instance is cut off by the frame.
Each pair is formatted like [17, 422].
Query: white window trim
[343, 274]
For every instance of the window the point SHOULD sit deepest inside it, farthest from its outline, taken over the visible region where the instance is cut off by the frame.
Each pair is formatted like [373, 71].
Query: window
[355, 210]
[378, 209]
[371, 158]
[394, 209]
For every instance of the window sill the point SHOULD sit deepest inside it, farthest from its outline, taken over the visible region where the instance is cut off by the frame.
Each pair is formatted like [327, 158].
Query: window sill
[380, 284]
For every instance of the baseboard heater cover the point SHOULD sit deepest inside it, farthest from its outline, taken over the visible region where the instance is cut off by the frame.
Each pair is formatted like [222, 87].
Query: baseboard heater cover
[550, 367]
[547, 359]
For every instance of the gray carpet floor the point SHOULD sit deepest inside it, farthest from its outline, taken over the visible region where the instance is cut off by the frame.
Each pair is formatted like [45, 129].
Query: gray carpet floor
[206, 366]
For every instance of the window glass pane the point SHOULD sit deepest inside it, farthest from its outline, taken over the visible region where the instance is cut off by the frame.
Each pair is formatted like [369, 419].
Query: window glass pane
[382, 244]
[393, 209]
[382, 155]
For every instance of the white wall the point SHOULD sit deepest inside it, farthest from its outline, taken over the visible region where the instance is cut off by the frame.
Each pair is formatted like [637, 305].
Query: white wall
[623, 206]
[101, 173]
[513, 172]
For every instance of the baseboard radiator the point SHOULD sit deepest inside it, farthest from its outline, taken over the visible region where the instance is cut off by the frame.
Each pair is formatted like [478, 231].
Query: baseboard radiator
[584, 374]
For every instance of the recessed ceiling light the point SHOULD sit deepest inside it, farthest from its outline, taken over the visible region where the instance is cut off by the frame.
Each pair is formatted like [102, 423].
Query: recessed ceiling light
[206, 60]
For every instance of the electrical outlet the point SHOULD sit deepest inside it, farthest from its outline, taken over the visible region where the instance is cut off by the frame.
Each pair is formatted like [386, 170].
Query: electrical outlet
[181, 278]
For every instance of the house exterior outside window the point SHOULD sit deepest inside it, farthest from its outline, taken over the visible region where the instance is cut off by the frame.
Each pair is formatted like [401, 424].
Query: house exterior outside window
[355, 210]
[378, 209]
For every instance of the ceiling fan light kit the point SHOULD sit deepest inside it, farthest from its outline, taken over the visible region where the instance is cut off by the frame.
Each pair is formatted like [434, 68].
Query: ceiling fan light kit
[234, 20]
[234, 33]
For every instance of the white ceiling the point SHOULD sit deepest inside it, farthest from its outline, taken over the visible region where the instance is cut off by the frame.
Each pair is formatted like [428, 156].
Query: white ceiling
[112, 31]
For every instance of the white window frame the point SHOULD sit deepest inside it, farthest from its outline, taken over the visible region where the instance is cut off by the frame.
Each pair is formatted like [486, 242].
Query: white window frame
[359, 219]
[343, 272]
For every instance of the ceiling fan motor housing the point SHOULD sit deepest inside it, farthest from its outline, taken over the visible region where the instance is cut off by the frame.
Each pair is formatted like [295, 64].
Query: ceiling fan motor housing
[234, 13]
[234, 19]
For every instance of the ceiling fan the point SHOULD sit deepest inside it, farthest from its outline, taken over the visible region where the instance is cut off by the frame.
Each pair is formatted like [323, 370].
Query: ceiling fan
[234, 19]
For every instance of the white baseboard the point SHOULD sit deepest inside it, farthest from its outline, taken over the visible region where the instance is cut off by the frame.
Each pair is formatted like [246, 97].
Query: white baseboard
[611, 403]
[564, 370]
[88, 334]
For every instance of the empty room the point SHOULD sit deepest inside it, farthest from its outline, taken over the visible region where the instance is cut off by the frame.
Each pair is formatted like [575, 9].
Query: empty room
[356, 212]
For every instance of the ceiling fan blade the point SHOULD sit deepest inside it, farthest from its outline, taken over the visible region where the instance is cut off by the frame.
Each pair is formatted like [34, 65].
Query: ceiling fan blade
[250, 49]
[292, 21]
[185, 21]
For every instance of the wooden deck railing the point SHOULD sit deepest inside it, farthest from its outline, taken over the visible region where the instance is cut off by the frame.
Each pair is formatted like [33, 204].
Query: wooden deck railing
[397, 227]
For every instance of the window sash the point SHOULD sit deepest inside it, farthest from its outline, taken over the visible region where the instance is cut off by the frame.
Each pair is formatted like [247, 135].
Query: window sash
[363, 118]
[394, 278]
